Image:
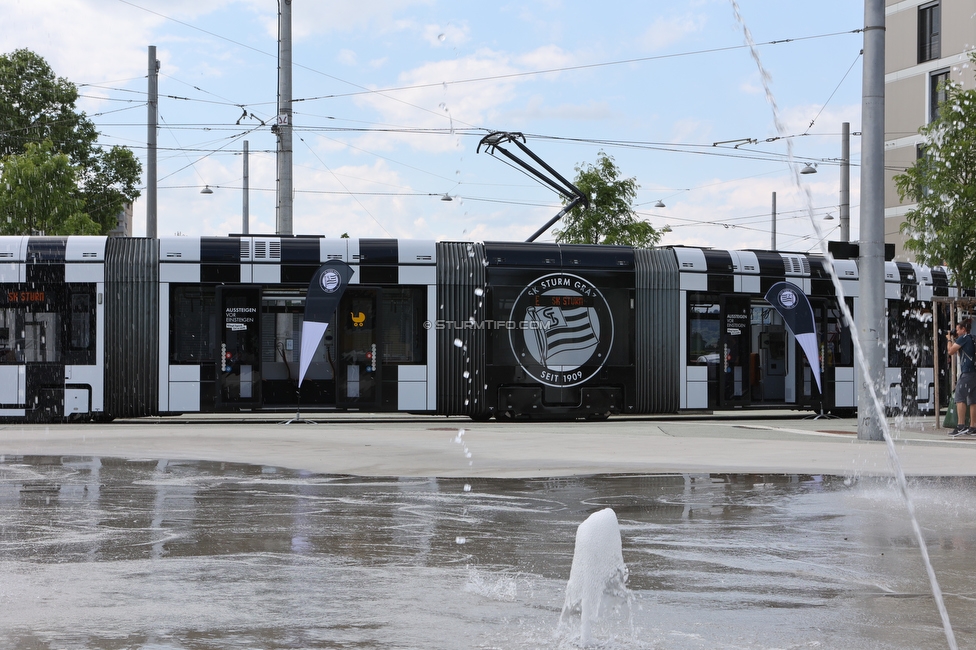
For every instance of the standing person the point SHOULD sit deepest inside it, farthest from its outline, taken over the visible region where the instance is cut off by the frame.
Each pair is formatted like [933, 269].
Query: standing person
[964, 345]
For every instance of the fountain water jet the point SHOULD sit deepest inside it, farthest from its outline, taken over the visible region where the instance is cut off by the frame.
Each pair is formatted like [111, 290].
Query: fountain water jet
[876, 399]
[598, 571]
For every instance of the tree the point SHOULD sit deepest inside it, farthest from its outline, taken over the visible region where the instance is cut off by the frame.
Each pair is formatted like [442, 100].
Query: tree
[610, 218]
[940, 228]
[40, 195]
[38, 109]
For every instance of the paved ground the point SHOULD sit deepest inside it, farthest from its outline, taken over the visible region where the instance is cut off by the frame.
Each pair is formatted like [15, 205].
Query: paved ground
[396, 445]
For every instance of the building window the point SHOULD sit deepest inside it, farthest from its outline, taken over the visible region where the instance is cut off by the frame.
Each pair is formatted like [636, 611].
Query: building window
[937, 92]
[929, 32]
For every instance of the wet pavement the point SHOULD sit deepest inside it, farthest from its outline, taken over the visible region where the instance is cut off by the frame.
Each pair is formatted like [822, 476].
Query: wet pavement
[154, 548]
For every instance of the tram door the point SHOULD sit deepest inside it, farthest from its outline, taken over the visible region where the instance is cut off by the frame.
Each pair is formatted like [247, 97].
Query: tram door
[734, 352]
[239, 354]
[358, 376]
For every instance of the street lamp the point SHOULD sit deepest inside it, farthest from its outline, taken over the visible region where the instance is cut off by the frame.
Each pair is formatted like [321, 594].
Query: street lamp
[206, 190]
[811, 168]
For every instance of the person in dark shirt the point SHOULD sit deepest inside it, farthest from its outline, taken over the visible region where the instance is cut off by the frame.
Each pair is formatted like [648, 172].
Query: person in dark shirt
[964, 345]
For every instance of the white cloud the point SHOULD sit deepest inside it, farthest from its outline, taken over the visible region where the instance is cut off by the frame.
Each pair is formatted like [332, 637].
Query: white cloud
[666, 31]
[536, 109]
[311, 19]
[547, 57]
[70, 46]
[690, 130]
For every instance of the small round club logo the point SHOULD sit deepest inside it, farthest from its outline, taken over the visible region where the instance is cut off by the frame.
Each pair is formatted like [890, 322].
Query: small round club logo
[565, 330]
[788, 298]
[330, 280]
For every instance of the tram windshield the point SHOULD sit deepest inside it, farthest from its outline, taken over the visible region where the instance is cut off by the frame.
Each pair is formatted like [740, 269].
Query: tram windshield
[704, 328]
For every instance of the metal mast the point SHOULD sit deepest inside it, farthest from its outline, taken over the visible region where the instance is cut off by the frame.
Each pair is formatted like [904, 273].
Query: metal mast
[283, 126]
[151, 144]
[870, 320]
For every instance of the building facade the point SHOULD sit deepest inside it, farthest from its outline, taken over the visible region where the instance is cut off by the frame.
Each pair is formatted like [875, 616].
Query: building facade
[927, 43]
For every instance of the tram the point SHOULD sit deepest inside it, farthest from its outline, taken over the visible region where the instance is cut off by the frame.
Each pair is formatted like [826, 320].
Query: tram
[100, 328]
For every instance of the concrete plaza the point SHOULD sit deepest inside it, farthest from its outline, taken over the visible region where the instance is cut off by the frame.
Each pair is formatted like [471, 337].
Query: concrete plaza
[403, 445]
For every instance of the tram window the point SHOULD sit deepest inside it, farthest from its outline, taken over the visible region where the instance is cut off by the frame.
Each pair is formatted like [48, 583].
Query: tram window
[282, 315]
[80, 325]
[80, 337]
[10, 352]
[193, 324]
[402, 312]
[6, 352]
[909, 334]
[704, 326]
[40, 338]
[11, 345]
[838, 346]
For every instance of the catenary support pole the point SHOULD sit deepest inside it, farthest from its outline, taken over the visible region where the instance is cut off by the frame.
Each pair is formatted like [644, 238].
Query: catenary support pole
[772, 243]
[870, 319]
[284, 121]
[245, 217]
[845, 182]
[151, 121]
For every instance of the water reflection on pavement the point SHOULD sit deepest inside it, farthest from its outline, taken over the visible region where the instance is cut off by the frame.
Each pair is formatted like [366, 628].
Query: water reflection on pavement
[110, 553]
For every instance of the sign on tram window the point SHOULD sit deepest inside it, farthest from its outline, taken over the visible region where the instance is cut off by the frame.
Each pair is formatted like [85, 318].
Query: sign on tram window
[25, 296]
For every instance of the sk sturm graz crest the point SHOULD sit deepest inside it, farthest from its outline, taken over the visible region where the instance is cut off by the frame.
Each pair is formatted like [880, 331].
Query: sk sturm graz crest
[564, 331]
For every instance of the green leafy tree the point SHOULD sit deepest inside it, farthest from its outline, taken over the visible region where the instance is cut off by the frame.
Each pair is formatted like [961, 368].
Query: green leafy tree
[40, 195]
[36, 107]
[941, 227]
[610, 218]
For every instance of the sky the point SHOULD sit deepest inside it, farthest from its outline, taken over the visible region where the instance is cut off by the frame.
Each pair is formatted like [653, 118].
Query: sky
[392, 98]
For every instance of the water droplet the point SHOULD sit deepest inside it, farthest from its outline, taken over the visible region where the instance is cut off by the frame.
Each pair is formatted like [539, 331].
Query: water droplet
[458, 343]
[460, 540]
[466, 374]
[441, 37]
[467, 487]
[478, 291]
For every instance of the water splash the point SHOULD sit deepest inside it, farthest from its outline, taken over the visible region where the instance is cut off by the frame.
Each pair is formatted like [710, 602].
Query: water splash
[598, 573]
[876, 399]
[459, 439]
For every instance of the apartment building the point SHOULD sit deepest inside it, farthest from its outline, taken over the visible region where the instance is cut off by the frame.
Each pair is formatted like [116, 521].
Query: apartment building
[926, 43]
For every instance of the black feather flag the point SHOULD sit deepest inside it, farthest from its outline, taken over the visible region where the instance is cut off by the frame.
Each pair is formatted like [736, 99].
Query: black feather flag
[793, 305]
[324, 292]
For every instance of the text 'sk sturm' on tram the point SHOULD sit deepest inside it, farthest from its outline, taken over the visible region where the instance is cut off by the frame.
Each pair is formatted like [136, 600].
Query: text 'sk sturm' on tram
[100, 328]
